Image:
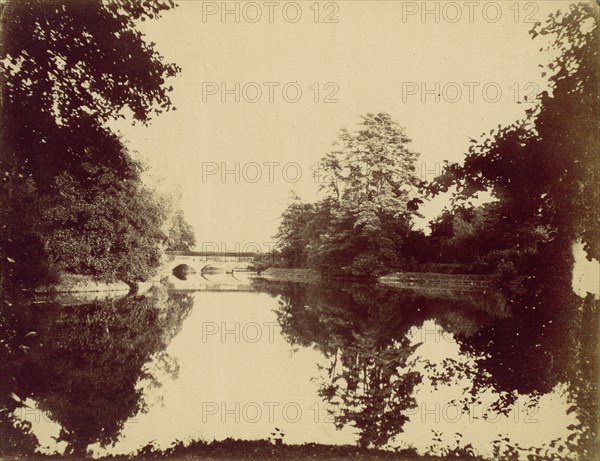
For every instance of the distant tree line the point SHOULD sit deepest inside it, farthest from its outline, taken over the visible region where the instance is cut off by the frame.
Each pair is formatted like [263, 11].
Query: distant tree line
[542, 172]
[71, 195]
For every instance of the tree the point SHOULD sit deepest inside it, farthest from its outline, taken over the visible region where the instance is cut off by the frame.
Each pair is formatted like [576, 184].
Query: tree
[370, 187]
[88, 57]
[373, 170]
[181, 235]
[67, 69]
[544, 172]
[300, 227]
[568, 123]
[539, 167]
[110, 230]
[76, 65]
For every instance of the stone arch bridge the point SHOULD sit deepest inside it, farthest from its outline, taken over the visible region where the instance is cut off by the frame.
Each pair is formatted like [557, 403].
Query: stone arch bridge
[207, 262]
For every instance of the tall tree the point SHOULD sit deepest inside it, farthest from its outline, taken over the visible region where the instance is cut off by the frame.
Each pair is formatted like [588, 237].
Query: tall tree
[371, 182]
[67, 69]
[372, 170]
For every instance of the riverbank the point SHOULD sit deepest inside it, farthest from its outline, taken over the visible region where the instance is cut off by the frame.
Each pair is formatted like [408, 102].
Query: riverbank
[277, 274]
[73, 289]
[410, 280]
[74, 283]
[436, 280]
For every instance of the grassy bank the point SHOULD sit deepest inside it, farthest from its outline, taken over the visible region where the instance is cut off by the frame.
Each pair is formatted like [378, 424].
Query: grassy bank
[264, 450]
[291, 275]
[410, 280]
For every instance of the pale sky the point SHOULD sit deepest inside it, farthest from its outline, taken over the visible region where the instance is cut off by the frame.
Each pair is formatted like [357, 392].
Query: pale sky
[378, 56]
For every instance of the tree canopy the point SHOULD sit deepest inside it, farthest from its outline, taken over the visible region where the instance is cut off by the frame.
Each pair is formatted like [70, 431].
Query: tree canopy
[72, 196]
[370, 195]
[540, 167]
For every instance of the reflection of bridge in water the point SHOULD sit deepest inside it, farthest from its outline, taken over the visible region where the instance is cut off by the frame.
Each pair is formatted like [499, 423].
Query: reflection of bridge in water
[205, 262]
[193, 286]
[221, 272]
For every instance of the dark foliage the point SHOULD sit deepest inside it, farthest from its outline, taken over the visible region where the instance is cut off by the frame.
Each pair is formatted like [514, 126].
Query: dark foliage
[68, 67]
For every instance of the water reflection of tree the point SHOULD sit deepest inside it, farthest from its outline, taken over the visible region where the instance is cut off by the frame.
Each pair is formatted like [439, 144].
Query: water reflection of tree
[548, 339]
[84, 365]
[15, 436]
[373, 389]
[364, 331]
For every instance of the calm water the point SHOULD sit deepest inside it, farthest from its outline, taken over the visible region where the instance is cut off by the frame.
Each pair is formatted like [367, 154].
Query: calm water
[218, 357]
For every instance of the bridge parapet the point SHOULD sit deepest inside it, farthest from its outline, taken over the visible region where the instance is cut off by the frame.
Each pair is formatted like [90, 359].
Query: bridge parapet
[202, 256]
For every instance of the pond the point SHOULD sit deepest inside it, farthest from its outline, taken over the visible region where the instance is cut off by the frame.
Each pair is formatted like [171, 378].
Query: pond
[217, 357]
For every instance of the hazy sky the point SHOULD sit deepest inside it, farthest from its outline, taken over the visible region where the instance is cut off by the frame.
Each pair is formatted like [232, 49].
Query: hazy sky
[379, 56]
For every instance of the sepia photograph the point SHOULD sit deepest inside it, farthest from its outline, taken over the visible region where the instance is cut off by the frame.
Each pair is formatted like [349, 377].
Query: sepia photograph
[290, 230]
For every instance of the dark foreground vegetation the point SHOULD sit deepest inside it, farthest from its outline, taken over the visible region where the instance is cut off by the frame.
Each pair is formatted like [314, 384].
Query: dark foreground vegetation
[234, 450]
[72, 197]
[266, 449]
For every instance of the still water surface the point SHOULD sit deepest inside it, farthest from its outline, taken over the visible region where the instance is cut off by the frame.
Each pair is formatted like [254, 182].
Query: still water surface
[217, 357]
